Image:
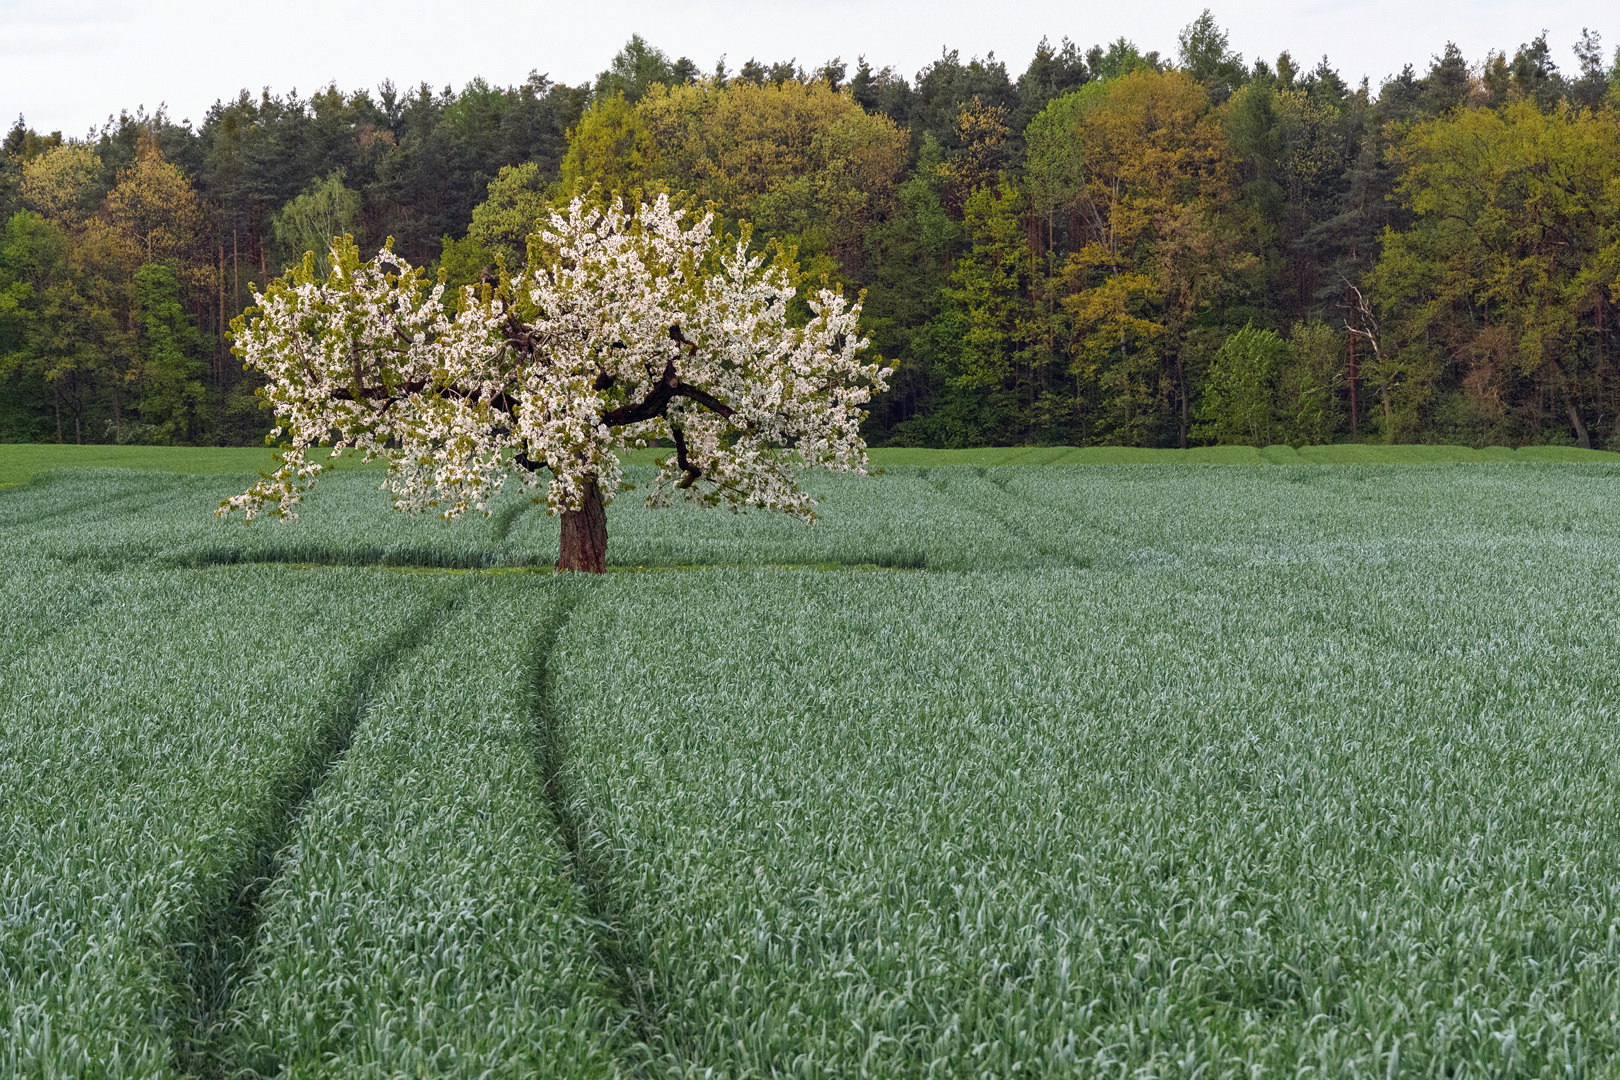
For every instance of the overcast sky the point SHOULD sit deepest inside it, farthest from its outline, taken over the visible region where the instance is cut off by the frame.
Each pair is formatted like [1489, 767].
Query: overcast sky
[69, 64]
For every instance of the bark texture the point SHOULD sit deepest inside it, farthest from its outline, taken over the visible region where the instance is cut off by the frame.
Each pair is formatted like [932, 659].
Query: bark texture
[584, 534]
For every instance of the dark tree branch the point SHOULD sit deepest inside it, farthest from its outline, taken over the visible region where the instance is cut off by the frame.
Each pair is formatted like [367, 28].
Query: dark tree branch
[705, 399]
[668, 388]
[692, 473]
[654, 405]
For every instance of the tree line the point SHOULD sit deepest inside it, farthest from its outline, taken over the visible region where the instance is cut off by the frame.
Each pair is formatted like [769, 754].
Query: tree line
[1112, 247]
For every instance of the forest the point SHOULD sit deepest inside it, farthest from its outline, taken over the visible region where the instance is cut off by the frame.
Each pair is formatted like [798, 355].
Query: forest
[1112, 247]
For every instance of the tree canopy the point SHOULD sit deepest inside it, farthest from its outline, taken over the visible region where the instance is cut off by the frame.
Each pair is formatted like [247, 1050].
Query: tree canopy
[1057, 255]
[628, 326]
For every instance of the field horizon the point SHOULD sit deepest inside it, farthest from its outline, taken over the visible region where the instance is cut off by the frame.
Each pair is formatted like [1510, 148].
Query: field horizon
[21, 462]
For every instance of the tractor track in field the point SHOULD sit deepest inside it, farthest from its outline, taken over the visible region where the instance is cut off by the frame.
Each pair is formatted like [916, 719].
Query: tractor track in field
[50, 515]
[211, 963]
[628, 970]
[1007, 521]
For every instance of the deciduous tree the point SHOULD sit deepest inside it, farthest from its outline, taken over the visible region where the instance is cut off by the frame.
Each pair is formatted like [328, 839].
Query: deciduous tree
[1240, 399]
[630, 326]
[170, 355]
[325, 209]
[802, 162]
[1501, 275]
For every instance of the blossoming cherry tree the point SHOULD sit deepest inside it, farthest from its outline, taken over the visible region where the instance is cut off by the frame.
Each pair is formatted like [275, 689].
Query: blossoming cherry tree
[628, 327]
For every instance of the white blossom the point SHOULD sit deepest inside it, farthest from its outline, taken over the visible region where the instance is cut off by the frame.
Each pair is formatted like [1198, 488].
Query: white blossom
[629, 327]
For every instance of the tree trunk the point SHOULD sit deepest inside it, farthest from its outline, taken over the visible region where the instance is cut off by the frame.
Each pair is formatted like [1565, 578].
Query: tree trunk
[218, 364]
[1355, 411]
[1184, 420]
[1581, 433]
[584, 535]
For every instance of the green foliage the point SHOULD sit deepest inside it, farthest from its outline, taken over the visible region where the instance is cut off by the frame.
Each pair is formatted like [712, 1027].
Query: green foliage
[1205, 56]
[1262, 389]
[1240, 398]
[990, 288]
[1055, 157]
[517, 205]
[465, 262]
[325, 209]
[30, 256]
[800, 162]
[1253, 128]
[1310, 404]
[54, 339]
[174, 399]
[1506, 270]
[1121, 58]
[63, 183]
[637, 68]
[611, 149]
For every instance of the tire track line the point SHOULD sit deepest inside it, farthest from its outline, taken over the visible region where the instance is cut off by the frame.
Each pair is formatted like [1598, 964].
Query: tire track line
[210, 967]
[627, 969]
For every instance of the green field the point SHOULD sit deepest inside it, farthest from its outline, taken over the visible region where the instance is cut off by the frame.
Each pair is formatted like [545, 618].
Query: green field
[22, 462]
[1111, 769]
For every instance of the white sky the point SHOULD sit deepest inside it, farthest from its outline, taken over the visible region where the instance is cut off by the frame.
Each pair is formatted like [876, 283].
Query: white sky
[69, 64]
